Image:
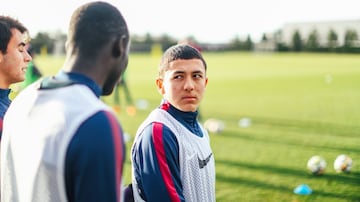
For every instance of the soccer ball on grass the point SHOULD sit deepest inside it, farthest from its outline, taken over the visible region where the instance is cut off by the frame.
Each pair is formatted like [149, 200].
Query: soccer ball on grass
[316, 165]
[214, 126]
[343, 163]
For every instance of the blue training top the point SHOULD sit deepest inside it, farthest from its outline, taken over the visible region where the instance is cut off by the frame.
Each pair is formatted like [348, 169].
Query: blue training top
[79, 146]
[4, 105]
[146, 166]
[91, 168]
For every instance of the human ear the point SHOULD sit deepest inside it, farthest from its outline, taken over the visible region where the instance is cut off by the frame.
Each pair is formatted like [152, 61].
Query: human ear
[159, 85]
[116, 48]
[120, 47]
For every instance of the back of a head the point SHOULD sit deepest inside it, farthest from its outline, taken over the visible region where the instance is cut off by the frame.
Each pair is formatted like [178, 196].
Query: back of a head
[92, 26]
[6, 24]
[178, 52]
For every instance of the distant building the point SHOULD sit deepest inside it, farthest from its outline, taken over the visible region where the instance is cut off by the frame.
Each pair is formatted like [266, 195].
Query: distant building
[59, 47]
[322, 28]
[268, 45]
[214, 47]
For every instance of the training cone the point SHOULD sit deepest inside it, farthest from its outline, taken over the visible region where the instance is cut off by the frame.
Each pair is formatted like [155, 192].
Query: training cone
[303, 189]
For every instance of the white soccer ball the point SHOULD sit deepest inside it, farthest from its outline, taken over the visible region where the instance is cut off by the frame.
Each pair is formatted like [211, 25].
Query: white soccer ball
[142, 104]
[214, 125]
[127, 137]
[343, 163]
[316, 165]
[244, 122]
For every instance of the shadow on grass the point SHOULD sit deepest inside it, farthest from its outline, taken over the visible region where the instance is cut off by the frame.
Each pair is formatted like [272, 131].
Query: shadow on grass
[285, 171]
[318, 127]
[351, 178]
[312, 126]
[263, 185]
[285, 141]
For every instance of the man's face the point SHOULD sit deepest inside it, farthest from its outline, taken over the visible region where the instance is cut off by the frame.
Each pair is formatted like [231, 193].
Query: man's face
[184, 84]
[14, 62]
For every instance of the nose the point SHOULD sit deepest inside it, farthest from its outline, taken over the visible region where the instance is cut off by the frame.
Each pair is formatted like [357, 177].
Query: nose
[28, 57]
[189, 84]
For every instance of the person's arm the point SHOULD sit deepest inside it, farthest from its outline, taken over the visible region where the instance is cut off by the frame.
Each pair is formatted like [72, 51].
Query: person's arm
[94, 160]
[157, 169]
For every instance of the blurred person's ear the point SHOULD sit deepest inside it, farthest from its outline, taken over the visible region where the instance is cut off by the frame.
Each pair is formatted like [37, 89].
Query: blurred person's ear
[121, 46]
[116, 48]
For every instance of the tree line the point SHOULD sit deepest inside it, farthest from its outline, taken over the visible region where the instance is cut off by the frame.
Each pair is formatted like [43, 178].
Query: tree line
[55, 43]
[351, 43]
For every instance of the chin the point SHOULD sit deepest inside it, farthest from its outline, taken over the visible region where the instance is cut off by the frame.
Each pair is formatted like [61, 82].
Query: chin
[107, 89]
[106, 93]
[20, 80]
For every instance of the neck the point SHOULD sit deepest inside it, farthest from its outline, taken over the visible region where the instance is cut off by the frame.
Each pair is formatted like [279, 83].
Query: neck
[4, 84]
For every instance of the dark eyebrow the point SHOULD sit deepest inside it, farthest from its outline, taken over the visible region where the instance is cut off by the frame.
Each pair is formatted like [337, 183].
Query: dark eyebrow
[198, 71]
[179, 72]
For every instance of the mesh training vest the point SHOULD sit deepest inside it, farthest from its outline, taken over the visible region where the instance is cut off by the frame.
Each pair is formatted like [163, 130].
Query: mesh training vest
[50, 127]
[197, 165]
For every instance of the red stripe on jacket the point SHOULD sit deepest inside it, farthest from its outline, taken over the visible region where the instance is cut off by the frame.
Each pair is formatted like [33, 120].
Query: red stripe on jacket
[161, 156]
[118, 149]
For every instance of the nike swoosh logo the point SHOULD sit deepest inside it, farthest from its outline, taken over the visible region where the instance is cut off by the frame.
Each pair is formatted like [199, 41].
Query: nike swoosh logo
[203, 163]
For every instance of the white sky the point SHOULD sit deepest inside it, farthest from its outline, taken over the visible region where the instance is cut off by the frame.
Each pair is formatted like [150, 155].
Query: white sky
[209, 21]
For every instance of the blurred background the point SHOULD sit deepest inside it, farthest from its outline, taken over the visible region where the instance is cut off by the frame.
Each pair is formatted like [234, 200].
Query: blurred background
[257, 25]
[284, 81]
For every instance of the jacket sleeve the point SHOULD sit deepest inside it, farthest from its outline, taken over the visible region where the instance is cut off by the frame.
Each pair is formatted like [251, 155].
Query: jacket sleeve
[156, 164]
[94, 160]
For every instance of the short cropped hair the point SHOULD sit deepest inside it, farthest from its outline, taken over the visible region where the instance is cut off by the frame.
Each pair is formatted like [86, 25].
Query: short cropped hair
[6, 24]
[177, 52]
[93, 25]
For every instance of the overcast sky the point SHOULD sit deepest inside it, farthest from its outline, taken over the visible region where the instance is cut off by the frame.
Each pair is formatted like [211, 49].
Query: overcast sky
[210, 21]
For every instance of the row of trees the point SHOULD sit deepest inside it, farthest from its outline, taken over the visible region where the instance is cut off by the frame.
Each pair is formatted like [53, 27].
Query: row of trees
[313, 44]
[54, 43]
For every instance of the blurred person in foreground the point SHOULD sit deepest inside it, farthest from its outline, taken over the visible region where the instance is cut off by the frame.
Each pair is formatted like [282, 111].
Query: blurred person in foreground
[171, 155]
[60, 141]
[14, 59]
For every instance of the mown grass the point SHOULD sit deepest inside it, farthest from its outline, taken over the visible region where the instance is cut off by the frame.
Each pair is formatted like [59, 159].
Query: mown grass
[299, 105]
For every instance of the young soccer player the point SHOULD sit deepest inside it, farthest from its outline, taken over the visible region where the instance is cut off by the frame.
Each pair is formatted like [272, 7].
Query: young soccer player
[14, 59]
[60, 141]
[171, 155]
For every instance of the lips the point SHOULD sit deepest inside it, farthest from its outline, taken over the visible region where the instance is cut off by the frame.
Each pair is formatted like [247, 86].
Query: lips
[189, 97]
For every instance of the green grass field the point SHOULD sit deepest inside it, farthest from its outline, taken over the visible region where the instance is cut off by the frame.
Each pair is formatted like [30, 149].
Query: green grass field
[300, 105]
